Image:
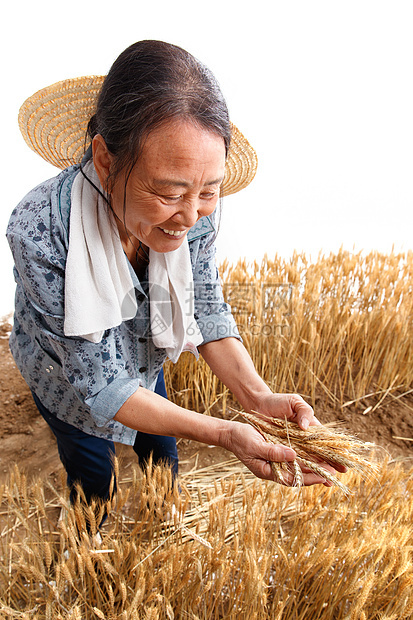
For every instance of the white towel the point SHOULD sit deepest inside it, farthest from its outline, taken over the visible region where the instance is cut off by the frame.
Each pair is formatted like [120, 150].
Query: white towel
[171, 294]
[99, 292]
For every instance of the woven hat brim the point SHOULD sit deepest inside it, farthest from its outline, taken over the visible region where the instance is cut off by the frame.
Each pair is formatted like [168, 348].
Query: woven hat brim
[54, 121]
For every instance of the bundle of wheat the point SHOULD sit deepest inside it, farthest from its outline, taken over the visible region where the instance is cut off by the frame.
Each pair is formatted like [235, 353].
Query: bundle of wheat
[328, 443]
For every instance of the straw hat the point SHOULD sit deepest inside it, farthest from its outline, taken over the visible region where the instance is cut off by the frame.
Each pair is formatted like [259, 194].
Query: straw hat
[53, 122]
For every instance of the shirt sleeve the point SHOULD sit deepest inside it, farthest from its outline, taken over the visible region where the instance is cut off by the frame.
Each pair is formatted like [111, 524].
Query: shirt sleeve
[100, 374]
[212, 313]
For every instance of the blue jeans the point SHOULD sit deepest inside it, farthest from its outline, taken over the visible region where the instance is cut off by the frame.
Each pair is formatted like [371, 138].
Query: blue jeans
[89, 460]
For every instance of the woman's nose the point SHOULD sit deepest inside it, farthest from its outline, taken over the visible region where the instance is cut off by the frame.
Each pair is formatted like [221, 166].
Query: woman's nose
[188, 213]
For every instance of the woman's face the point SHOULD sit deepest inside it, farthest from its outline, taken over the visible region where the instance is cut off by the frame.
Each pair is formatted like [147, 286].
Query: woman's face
[175, 182]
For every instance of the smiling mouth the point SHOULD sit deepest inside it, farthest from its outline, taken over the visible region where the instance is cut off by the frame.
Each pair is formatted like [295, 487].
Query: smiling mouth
[174, 233]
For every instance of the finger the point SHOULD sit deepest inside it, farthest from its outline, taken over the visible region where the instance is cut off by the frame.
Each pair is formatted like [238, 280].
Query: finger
[260, 468]
[277, 453]
[264, 470]
[309, 479]
[329, 468]
[303, 413]
[337, 467]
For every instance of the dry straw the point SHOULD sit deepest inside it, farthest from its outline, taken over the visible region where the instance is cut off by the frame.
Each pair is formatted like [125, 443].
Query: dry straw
[241, 549]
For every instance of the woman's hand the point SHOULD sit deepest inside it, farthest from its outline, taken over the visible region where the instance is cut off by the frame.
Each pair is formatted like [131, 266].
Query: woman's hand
[293, 408]
[230, 361]
[251, 449]
[287, 406]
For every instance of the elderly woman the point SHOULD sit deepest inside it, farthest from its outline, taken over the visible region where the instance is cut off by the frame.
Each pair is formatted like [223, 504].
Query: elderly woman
[115, 271]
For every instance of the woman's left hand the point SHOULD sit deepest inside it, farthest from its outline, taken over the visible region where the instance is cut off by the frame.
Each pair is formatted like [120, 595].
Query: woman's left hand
[230, 361]
[290, 406]
[295, 409]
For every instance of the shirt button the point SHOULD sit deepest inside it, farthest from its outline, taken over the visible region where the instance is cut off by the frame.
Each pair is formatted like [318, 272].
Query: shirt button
[141, 297]
[142, 369]
[142, 339]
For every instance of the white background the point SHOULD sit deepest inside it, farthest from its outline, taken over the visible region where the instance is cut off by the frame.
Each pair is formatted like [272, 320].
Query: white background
[322, 89]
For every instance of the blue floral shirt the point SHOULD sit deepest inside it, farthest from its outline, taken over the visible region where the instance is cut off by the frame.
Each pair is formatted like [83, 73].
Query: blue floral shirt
[84, 383]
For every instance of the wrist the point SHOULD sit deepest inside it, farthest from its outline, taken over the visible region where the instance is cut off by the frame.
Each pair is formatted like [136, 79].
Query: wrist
[226, 436]
[208, 430]
[253, 398]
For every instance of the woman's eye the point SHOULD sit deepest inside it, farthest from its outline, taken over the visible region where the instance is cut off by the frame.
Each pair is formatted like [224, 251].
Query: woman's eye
[171, 198]
[208, 195]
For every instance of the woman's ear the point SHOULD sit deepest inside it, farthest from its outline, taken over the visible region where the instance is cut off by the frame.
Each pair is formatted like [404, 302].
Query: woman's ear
[102, 160]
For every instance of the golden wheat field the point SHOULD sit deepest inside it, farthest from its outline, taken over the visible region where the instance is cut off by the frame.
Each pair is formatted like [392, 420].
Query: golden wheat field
[340, 326]
[242, 549]
[228, 546]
